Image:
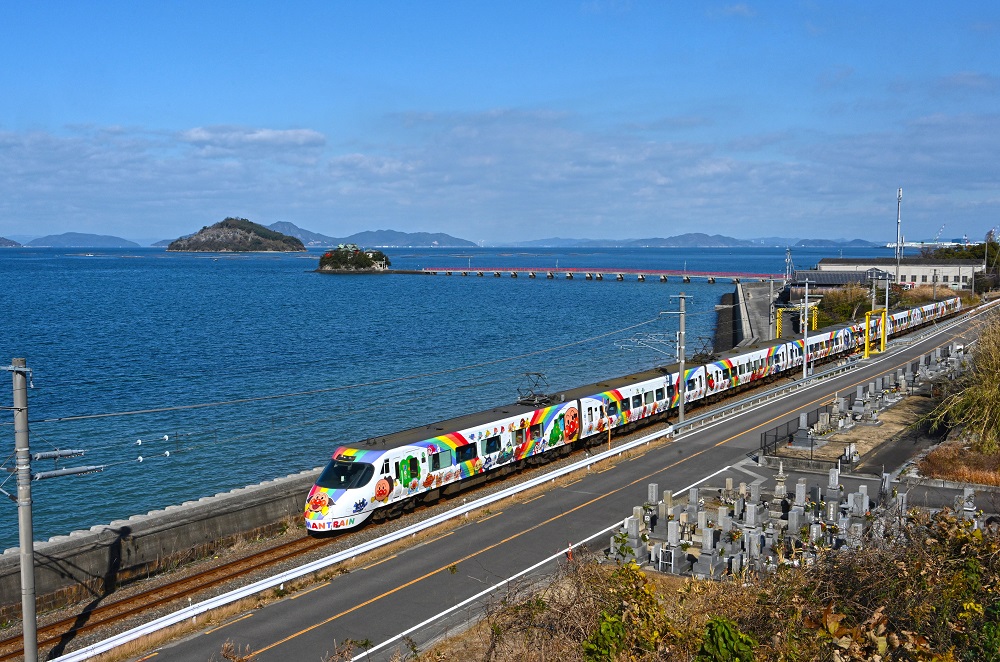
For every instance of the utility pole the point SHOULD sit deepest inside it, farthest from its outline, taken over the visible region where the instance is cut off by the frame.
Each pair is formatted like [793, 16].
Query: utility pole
[899, 231]
[19, 371]
[681, 381]
[805, 334]
[770, 319]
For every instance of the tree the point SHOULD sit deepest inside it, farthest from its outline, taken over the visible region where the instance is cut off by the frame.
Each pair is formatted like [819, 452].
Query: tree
[973, 401]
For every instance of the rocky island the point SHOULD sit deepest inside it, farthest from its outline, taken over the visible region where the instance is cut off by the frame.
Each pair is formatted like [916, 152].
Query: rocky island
[348, 258]
[236, 235]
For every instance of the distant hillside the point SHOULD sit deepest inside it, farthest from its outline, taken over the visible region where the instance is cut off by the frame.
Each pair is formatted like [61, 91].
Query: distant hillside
[8, 243]
[837, 243]
[391, 238]
[376, 238]
[82, 240]
[689, 240]
[236, 235]
[305, 236]
[693, 240]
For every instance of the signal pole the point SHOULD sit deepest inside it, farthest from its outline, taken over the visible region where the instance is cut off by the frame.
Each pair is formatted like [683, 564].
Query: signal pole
[19, 370]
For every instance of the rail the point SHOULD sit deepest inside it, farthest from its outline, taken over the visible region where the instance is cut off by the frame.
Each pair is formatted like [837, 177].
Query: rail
[191, 612]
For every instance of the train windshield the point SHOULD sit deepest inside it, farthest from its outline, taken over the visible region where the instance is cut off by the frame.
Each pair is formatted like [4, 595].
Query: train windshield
[340, 475]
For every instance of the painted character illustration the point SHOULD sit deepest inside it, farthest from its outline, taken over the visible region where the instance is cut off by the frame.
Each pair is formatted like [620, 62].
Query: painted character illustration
[572, 424]
[506, 454]
[383, 488]
[319, 502]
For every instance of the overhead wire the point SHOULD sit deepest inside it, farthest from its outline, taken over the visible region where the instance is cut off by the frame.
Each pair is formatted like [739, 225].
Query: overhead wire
[344, 387]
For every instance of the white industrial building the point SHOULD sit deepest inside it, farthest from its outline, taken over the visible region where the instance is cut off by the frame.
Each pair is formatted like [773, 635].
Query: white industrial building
[913, 271]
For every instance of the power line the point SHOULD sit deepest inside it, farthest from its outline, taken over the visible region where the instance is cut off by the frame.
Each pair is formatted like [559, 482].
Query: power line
[332, 389]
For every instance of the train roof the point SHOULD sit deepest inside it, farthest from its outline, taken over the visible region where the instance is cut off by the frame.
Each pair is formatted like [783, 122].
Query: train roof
[524, 407]
[512, 410]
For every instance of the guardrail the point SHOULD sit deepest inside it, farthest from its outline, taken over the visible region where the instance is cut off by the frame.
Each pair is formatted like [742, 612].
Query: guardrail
[193, 611]
[714, 415]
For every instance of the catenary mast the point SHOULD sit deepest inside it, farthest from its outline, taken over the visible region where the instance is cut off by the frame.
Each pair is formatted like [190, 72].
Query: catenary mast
[899, 232]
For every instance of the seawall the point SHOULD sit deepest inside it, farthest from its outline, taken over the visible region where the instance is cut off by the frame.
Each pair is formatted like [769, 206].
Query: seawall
[91, 563]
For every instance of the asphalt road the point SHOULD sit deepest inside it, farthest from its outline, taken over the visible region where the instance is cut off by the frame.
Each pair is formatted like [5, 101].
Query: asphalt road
[378, 602]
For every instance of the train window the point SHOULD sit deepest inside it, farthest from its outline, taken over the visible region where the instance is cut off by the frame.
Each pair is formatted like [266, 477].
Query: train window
[690, 385]
[440, 460]
[659, 394]
[491, 445]
[385, 467]
[612, 408]
[636, 401]
[590, 415]
[536, 431]
[343, 476]
[466, 453]
[647, 398]
[519, 437]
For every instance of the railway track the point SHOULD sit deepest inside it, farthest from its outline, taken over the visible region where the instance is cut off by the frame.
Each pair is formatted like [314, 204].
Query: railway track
[54, 637]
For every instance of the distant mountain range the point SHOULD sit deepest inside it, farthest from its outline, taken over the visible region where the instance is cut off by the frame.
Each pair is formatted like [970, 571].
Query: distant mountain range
[374, 238]
[693, 240]
[82, 240]
[394, 239]
[8, 243]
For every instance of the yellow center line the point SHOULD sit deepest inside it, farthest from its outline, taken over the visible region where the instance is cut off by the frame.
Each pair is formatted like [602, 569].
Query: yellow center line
[573, 483]
[546, 522]
[372, 565]
[150, 656]
[225, 625]
[534, 498]
[489, 517]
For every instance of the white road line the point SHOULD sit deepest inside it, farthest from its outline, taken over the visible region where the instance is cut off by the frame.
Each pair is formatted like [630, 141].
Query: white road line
[487, 591]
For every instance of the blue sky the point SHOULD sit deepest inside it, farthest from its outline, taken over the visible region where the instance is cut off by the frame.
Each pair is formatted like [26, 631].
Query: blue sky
[502, 121]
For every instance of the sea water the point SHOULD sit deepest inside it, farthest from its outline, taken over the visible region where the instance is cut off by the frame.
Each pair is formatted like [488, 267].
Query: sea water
[232, 369]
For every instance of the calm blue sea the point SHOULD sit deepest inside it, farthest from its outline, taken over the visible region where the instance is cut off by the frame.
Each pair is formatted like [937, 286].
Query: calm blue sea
[351, 356]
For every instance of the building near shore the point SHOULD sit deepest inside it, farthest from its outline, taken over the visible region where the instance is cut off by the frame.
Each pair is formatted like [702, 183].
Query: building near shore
[913, 271]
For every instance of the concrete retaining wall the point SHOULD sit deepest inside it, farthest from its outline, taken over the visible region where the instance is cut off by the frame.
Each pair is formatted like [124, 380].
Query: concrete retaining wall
[90, 564]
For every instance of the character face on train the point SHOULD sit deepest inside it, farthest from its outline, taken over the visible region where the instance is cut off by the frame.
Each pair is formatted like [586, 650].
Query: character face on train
[333, 500]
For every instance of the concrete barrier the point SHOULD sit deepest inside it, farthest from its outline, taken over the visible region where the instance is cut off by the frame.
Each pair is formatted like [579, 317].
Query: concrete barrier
[92, 563]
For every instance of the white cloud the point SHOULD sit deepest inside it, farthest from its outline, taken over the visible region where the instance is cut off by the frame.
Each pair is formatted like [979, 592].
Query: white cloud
[230, 137]
[499, 175]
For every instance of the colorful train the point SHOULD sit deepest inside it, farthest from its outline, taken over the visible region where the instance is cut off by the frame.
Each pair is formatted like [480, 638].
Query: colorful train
[385, 477]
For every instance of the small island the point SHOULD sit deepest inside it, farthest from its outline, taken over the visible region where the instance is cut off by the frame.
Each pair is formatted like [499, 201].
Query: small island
[236, 235]
[348, 258]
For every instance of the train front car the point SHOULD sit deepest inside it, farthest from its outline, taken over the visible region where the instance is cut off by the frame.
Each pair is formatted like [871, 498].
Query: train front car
[340, 497]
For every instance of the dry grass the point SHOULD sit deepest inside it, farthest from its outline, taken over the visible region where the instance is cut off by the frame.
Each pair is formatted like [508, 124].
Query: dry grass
[957, 461]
